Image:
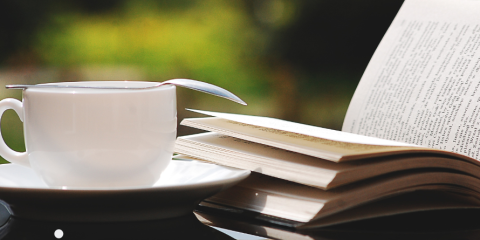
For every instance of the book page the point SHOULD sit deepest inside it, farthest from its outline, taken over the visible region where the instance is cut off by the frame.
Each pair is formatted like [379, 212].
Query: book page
[422, 86]
[298, 128]
[337, 151]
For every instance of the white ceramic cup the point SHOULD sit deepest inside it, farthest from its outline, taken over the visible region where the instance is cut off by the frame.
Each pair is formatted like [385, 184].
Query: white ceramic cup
[96, 138]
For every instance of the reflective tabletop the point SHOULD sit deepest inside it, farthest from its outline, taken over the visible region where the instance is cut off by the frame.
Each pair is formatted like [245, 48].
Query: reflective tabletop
[205, 224]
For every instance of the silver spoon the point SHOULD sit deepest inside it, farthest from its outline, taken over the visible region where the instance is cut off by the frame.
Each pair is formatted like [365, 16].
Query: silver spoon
[187, 83]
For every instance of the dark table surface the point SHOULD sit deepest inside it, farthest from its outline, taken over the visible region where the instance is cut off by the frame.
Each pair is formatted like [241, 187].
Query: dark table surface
[447, 224]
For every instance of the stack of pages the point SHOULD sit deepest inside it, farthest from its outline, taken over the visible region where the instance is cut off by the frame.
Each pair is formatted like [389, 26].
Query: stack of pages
[410, 140]
[305, 176]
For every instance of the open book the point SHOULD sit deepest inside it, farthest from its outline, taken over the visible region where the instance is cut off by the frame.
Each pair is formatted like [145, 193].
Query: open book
[410, 140]
[314, 177]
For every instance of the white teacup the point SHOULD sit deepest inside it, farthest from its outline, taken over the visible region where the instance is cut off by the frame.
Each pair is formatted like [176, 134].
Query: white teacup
[96, 138]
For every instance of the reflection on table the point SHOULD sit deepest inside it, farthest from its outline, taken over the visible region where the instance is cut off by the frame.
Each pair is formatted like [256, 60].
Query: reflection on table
[438, 225]
[448, 224]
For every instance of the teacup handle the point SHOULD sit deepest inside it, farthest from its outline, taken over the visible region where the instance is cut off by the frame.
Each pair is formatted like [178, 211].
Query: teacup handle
[6, 152]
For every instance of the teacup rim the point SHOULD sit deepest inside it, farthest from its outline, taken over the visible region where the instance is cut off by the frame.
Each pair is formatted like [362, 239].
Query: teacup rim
[107, 83]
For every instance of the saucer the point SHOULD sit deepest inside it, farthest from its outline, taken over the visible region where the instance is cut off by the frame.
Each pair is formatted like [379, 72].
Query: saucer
[180, 188]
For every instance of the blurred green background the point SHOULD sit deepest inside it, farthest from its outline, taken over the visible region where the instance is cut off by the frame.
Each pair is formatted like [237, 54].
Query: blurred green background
[294, 60]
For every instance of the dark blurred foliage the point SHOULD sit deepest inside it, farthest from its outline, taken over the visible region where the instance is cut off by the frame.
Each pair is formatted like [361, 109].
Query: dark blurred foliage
[324, 35]
[338, 35]
[20, 21]
[325, 49]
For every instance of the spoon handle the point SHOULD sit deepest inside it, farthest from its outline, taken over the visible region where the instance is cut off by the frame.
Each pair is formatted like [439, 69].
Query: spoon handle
[187, 83]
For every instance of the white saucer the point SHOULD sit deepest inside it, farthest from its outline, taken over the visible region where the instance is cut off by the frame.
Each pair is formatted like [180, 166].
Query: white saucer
[181, 187]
